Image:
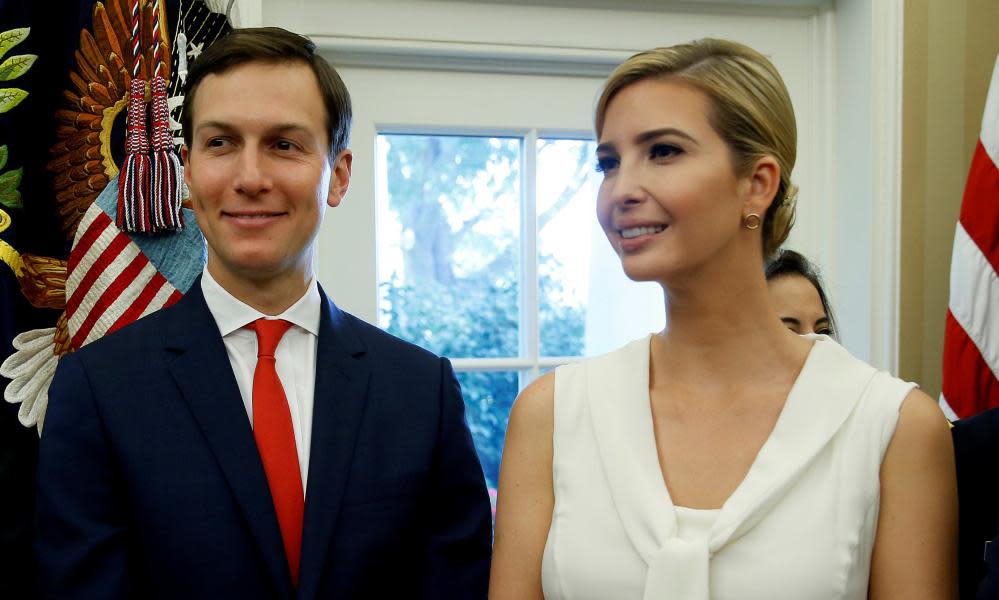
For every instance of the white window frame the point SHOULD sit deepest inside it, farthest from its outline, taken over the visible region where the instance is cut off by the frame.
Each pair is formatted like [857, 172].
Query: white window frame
[529, 363]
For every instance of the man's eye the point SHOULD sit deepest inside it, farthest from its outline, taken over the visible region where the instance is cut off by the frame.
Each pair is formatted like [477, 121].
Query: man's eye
[663, 151]
[284, 145]
[215, 143]
[606, 163]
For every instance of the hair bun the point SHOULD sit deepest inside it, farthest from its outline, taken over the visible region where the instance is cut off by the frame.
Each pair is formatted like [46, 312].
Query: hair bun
[781, 221]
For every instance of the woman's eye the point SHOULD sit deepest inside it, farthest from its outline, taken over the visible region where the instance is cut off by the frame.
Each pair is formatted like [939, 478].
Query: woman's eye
[606, 163]
[824, 331]
[663, 151]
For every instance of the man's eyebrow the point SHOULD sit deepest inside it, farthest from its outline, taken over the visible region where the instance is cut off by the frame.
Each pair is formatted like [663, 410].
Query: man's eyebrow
[279, 128]
[214, 125]
[291, 127]
[647, 136]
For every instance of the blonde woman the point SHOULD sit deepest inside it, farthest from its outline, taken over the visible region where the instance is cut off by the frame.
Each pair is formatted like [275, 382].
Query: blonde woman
[725, 457]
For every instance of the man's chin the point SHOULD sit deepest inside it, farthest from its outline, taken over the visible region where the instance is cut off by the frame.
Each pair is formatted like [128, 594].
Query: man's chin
[259, 270]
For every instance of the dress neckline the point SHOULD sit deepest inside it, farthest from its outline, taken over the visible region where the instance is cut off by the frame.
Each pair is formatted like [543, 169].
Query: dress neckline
[821, 400]
[617, 387]
[791, 397]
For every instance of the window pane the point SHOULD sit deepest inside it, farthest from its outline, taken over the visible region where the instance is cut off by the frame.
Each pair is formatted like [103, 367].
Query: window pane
[488, 398]
[449, 242]
[566, 193]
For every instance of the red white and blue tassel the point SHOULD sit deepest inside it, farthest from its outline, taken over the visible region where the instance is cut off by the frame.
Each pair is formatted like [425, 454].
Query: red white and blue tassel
[166, 176]
[133, 181]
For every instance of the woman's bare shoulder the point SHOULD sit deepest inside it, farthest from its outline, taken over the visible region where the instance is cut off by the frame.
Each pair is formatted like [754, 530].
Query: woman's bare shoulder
[535, 406]
[921, 421]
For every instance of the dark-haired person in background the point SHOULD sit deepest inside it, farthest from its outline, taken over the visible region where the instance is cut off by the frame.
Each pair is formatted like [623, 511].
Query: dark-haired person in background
[253, 440]
[797, 293]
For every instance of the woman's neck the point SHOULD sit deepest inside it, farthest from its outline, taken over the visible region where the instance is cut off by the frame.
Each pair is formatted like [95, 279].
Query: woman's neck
[723, 325]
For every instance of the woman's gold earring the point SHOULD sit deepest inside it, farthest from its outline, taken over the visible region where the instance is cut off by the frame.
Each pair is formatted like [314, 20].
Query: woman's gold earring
[751, 221]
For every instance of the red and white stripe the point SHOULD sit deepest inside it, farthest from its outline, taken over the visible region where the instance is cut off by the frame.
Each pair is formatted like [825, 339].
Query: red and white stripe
[111, 283]
[971, 338]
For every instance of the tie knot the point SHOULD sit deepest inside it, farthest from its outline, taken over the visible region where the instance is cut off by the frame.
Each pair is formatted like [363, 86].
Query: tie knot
[269, 333]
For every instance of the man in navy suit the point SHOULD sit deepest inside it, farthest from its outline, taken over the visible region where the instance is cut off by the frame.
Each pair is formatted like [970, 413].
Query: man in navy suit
[155, 477]
[976, 446]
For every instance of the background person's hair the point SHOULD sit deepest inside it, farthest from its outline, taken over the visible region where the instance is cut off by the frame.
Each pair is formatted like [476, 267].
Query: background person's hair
[272, 45]
[788, 263]
[750, 110]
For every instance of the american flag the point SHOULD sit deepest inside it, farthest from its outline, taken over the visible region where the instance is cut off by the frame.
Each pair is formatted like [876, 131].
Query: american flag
[111, 282]
[971, 336]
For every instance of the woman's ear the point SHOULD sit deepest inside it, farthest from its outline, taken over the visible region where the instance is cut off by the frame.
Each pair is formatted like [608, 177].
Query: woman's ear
[764, 181]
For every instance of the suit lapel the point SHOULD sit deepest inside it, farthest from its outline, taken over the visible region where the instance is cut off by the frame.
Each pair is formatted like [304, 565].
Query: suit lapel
[342, 374]
[204, 376]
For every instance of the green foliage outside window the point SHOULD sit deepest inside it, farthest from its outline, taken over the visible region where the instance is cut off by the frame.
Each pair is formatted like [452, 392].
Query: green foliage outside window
[457, 292]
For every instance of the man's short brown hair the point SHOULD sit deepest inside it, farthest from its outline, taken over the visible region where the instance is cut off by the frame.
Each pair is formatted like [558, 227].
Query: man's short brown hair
[272, 45]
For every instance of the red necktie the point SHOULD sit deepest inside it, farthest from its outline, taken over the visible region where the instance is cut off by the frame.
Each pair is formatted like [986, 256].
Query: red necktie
[276, 440]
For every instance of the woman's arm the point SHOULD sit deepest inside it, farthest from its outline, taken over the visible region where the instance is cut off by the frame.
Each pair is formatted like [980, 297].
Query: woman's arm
[526, 498]
[915, 551]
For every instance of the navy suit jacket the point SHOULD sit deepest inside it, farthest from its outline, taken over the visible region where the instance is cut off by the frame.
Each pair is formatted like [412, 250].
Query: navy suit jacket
[976, 450]
[150, 484]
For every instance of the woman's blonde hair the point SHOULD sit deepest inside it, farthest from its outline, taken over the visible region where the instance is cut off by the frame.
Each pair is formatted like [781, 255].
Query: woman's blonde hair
[750, 109]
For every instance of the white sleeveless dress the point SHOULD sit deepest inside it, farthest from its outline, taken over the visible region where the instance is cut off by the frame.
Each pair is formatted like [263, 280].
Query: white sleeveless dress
[801, 524]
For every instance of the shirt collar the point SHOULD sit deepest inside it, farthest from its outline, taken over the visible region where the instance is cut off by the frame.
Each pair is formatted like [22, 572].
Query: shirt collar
[232, 314]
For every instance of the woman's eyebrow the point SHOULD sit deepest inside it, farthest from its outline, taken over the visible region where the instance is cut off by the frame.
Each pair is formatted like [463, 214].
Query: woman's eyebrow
[791, 321]
[647, 136]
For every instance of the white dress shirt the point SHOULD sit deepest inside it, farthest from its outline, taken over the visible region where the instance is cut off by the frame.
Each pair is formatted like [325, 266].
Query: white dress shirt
[295, 354]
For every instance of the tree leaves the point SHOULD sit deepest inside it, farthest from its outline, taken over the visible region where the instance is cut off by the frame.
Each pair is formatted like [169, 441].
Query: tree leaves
[457, 203]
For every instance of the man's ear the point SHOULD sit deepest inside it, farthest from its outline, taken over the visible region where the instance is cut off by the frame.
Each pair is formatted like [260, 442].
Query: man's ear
[340, 179]
[764, 181]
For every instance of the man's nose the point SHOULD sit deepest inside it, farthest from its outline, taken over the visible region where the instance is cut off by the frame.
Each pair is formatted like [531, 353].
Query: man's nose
[253, 174]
